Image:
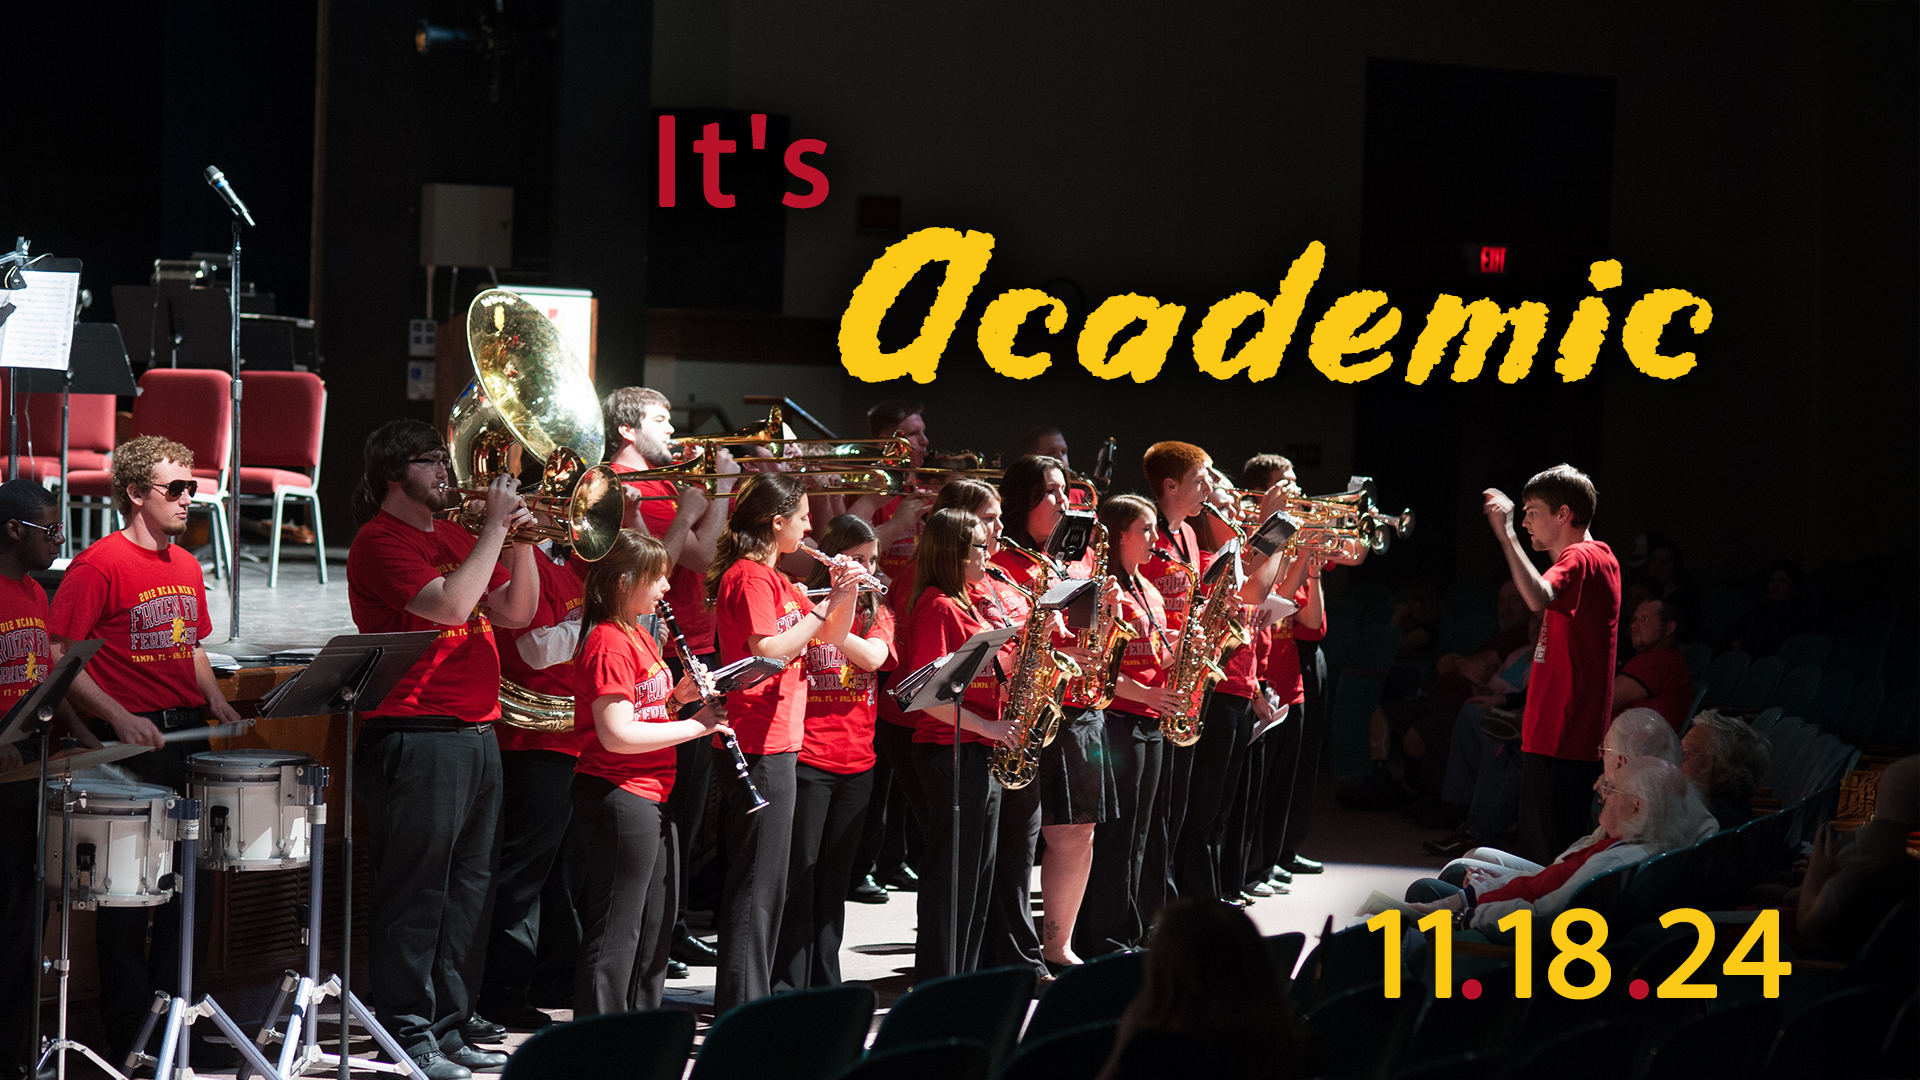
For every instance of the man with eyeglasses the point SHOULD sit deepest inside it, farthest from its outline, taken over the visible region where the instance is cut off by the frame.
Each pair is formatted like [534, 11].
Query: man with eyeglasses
[144, 595]
[428, 764]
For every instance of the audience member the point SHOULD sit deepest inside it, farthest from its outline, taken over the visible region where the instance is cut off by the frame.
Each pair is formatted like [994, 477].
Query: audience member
[1483, 755]
[1656, 677]
[1724, 758]
[1210, 1003]
[1851, 885]
[1659, 573]
[1787, 610]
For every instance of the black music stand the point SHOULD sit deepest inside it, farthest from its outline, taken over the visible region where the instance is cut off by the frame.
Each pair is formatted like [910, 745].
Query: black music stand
[97, 364]
[353, 673]
[944, 685]
[37, 706]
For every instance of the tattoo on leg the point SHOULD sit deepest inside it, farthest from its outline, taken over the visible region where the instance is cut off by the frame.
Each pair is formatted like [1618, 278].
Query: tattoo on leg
[1052, 929]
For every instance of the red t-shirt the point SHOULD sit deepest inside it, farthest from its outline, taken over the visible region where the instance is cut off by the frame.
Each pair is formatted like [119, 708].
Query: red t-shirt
[1022, 571]
[388, 565]
[1172, 581]
[1147, 657]
[616, 662]
[840, 700]
[1282, 669]
[897, 561]
[23, 639]
[150, 607]
[937, 626]
[560, 599]
[755, 599]
[1570, 691]
[686, 587]
[1669, 685]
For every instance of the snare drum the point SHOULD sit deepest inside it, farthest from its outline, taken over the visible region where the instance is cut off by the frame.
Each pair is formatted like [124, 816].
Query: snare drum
[254, 807]
[122, 843]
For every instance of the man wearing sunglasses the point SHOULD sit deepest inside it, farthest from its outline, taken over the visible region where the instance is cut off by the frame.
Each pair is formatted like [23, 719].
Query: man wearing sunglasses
[144, 595]
[428, 763]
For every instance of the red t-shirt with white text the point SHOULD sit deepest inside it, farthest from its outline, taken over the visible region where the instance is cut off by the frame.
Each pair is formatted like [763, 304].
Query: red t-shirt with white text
[841, 700]
[616, 662]
[686, 587]
[1147, 658]
[754, 599]
[388, 565]
[1282, 665]
[560, 600]
[23, 639]
[1570, 692]
[150, 607]
[938, 626]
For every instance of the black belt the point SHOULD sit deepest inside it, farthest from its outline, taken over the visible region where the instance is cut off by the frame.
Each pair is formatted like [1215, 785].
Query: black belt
[378, 724]
[176, 719]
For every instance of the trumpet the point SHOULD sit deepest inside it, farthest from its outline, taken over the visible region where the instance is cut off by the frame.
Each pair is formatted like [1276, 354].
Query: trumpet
[862, 466]
[867, 582]
[1346, 528]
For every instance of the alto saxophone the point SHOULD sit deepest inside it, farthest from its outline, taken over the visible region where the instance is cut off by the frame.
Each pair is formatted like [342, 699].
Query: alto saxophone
[1033, 704]
[1105, 641]
[1204, 639]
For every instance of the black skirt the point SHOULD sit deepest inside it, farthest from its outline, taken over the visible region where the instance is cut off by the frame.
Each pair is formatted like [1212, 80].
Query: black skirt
[1076, 773]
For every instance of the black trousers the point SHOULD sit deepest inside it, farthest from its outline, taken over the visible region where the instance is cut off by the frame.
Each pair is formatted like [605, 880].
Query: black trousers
[1313, 737]
[757, 847]
[1110, 917]
[19, 953]
[433, 807]
[1285, 766]
[1555, 795]
[829, 812]
[903, 838]
[1237, 844]
[979, 836]
[1011, 936]
[687, 802]
[1157, 885]
[536, 804]
[632, 878]
[131, 969]
[561, 899]
[1215, 770]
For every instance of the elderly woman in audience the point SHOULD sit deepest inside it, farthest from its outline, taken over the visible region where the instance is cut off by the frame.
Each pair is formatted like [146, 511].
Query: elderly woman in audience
[1852, 884]
[1724, 757]
[1210, 1003]
[1647, 808]
[1634, 733]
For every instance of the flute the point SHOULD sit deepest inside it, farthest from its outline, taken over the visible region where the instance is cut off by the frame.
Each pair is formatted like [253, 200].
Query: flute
[704, 680]
[868, 583]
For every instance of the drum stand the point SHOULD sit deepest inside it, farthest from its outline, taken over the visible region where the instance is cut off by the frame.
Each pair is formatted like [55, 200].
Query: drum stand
[180, 1015]
[58, 1046]
[299, 1043]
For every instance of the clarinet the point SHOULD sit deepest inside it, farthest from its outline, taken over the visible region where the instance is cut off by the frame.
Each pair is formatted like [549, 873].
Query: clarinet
[704, 681]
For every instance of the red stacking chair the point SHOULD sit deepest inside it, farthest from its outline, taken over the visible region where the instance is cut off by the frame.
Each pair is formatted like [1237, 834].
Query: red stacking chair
[193, 407]
[283, 416]
[89, 432]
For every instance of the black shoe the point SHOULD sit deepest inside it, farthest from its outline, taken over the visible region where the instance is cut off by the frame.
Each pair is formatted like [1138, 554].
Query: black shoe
[901, 878]
[1450, 848]
[692, 951]
[1303, 865]
[476, 1060]
[1054, 969]
[1279, 875]
[678, 970]
[480, 1029]
[867, 891]
[1257, 888]
[519, 1017]
[436, 1066]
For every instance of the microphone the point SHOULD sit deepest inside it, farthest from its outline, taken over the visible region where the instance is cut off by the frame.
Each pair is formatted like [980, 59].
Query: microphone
[218, 181]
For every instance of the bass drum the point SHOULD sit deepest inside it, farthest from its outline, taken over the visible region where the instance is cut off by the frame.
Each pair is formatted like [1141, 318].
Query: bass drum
[122, 845]
[255, 807]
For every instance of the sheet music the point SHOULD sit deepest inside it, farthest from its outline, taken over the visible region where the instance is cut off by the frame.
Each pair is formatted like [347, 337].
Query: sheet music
[39, 333]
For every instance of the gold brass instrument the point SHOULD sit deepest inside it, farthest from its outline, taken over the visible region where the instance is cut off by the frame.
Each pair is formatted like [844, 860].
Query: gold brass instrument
[1205, 638]
[847, 466]
[531, 394]
[1033, 699]
[1345, 528]
[1105, 640]
[533, 710]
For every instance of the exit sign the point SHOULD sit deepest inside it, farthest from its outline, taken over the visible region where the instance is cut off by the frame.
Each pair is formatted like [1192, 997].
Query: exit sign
[1493, 260]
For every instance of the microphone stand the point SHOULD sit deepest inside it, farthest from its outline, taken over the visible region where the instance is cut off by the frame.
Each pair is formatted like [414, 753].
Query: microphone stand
[235, 646]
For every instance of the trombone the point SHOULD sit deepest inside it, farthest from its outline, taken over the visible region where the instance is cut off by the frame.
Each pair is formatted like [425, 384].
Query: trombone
[867, 466]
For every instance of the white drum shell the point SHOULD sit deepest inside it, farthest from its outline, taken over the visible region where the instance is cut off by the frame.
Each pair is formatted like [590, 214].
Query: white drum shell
[264, 806]
[133, 847]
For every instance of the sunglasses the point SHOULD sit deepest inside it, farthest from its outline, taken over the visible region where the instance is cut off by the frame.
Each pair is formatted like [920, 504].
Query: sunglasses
[178, 488]
[55, 533]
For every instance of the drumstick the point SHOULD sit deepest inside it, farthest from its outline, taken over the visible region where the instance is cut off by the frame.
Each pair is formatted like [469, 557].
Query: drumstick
[210, 731]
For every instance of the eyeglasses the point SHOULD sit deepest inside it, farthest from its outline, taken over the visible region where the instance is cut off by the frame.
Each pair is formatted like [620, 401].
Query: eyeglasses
[1605, 750]
[432, 461]
[982, 547]
[55, 533]
[178, 488]
[1606, 789]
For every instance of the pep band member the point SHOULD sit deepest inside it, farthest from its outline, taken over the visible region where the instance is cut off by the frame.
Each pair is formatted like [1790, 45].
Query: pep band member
[950, 561]
[1111, 916]
[625, 696]
[1075, 785]
[143, 594]
[833, 778]
[758, 611]
[428, 765]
